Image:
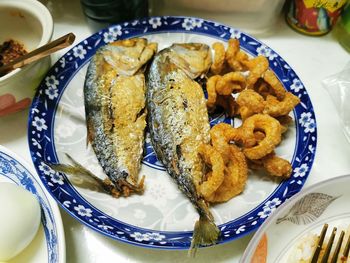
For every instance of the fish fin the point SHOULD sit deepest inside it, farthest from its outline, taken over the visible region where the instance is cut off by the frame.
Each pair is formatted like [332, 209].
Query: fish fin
[205, 233]
[128, 188]
[78, 169]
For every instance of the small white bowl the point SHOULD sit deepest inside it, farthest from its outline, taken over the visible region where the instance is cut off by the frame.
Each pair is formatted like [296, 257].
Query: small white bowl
[30, 23]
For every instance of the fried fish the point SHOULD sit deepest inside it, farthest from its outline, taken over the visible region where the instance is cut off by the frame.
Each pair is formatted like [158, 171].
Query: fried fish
[114, 94]
[178, 122]
[114, 97]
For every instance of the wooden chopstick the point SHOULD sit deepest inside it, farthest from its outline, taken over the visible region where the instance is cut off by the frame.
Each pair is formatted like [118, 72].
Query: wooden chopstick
[38, 53]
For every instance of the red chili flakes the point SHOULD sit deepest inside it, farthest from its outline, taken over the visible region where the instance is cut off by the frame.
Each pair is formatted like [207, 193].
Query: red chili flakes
[10, 50]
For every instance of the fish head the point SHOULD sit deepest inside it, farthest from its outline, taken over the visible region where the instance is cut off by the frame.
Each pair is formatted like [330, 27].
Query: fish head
[193, 58]
[128, 56]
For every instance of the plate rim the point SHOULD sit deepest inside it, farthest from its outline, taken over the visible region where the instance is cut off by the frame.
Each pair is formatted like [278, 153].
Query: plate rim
[61, 256]
[283, 207]
[186, 233]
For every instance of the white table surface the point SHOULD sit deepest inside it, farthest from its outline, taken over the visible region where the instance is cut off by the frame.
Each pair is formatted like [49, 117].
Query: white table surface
[313, 59]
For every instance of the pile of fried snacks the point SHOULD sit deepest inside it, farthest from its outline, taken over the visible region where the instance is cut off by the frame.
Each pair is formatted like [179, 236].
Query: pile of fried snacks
[247, 89]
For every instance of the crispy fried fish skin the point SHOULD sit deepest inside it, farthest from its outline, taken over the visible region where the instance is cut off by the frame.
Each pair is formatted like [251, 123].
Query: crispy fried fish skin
[114, 94]
[272, 129]
[178, 124]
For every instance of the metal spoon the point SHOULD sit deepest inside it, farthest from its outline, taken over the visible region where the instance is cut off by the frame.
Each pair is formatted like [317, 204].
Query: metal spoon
[38, 53]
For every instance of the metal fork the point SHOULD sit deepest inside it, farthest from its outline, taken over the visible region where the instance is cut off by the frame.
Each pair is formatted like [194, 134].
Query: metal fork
[326, 255]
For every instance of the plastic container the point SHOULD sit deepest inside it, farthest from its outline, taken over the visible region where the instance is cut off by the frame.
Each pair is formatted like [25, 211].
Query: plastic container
[252, 16]
[342, 29]
[338, 87]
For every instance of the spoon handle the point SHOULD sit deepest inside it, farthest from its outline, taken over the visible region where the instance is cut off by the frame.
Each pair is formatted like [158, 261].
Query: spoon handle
[39, 53]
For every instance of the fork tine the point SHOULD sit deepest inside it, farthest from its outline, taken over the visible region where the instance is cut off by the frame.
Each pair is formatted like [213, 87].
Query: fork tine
[319, 244]
[337, 248]
[347, 248]
[329, 246]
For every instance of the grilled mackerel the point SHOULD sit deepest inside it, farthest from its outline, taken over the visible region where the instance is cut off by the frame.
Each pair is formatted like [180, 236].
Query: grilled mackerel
[178, 123]
[114, 96]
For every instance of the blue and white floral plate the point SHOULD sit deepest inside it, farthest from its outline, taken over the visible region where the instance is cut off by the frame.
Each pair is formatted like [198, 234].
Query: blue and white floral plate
[162, 217]
[49, 243]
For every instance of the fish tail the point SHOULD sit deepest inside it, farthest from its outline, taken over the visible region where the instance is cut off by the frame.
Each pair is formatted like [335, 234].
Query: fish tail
[205, 231]
[116, 189]
[79, 170]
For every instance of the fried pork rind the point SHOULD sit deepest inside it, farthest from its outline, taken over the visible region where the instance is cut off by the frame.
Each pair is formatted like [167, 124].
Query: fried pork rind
[223, 85]
[231, 134]
[259, 136]
[272, 130]
[234, 57]
[231, 52]
[242, 57]
[257, 67]
[276, 108]
[250, 103]
[228, 103]
[231, 82]
[219, 58]
[220, 141]
[276, 86]
[267, 84]
[216, 176]
[277, 166]
[236, 170]
[236, 173]
[262, 88]
[285, 121]
[263, 105]
[273, 165]
[211, 90]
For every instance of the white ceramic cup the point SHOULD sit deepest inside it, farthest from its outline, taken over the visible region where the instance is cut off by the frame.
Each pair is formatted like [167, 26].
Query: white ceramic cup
[30, 23]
